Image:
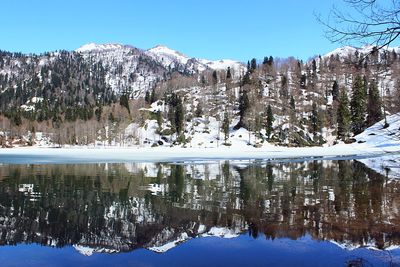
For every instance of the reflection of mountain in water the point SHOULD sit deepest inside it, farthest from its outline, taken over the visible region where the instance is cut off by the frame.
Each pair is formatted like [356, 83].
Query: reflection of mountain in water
[121, 207]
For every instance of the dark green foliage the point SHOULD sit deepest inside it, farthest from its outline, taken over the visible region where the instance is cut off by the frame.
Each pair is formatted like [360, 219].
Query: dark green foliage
[228, 73]
[358, 106]
[124, 101]
[146, 97]
[246, 78]
[253, 65]
[225, 126]
[270, 121]
[179, 117]
[215, 77]
[284, 87]
[292, 103]
[374, 106]
[244, 105]
[343, 117]
[335, 90]
[176, 112]
[69, 86]
[199, 109]
[316, 124]
[268, 61]
[98, 112]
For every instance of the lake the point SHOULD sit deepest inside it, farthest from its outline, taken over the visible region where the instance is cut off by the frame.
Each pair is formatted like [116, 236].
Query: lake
[224, 213]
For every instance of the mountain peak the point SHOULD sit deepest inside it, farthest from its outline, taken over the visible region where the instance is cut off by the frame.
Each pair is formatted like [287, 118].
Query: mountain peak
[162, 49]
[93, 47]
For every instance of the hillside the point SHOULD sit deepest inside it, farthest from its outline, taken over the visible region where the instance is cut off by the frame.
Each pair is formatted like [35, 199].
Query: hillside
[119, 95]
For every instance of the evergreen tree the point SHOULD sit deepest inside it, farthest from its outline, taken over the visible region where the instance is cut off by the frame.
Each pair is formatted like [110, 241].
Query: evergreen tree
[199, 109]
[225, 126]
[246, 78]
[270, 121]
[343, 116]
[374, 106]
[270, 61]
[159, 120]
[153, 95]
[335, 90]
[179, 116]
[357, 106]
[244, 105]
[292, 103]
[315, 119]
[146, 97]
[253, 65]
[124, 101]
[228, 73]
[215, 77]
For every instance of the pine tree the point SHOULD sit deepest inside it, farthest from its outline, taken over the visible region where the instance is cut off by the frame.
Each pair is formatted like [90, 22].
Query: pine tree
[357, 106]
[146, 97]
[244, 105]
[270, 61]
[225, 126]
[374, 106]
[315, 122]
[215, 77]
[228, 73]
[253, 65]
[292, 103]
[335, 90]
[270, 121]
[179, 116]
[159, 120]
[124, 101]
[153, 95]
[343, 116]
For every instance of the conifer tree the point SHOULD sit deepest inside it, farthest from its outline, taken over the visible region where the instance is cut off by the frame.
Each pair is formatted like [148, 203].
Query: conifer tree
[315, 121]
[225, 126]
[292, 103]
[244, 105]
[253, 65]
[124, 101]
[215, 77]
[357, 106]
[343, 116]
[374, 106]
[228, 73]
[179, 116]
[270, 121]
[335, 90]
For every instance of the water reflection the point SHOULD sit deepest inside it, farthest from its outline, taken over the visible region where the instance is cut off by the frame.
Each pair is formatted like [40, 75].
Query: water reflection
[121, 207]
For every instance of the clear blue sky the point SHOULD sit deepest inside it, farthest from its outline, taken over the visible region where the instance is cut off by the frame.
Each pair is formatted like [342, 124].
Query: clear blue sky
[211, 29]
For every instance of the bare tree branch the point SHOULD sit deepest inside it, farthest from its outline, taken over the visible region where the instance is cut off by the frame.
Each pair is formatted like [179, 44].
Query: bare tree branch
[374, 22]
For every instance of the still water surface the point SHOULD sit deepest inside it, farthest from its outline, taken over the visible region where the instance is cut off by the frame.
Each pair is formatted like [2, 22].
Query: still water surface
[315, 213]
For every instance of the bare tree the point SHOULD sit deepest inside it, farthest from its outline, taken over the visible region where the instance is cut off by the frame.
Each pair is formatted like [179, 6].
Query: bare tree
[374, 22]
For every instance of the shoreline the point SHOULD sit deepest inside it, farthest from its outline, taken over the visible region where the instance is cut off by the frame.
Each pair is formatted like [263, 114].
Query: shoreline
[47, 155]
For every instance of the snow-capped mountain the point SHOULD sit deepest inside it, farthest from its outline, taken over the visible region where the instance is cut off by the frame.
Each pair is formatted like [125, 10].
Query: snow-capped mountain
[128, 69]
[172, 59]
[348, 51]
[133, 70]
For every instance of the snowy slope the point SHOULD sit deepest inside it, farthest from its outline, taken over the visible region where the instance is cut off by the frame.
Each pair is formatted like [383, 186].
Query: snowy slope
[348, 51]
[172, 59]
[128, 68]
[387, 139]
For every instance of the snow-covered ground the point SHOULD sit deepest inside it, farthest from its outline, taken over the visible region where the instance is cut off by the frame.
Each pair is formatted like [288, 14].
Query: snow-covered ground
[374, 142]
[165, 154]
[387, 139]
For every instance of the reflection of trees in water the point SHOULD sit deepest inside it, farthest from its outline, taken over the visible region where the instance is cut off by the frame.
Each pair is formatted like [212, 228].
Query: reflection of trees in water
[105, 205]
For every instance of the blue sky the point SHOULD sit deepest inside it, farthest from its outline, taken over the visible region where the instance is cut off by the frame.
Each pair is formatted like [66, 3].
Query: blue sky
[210, 29]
